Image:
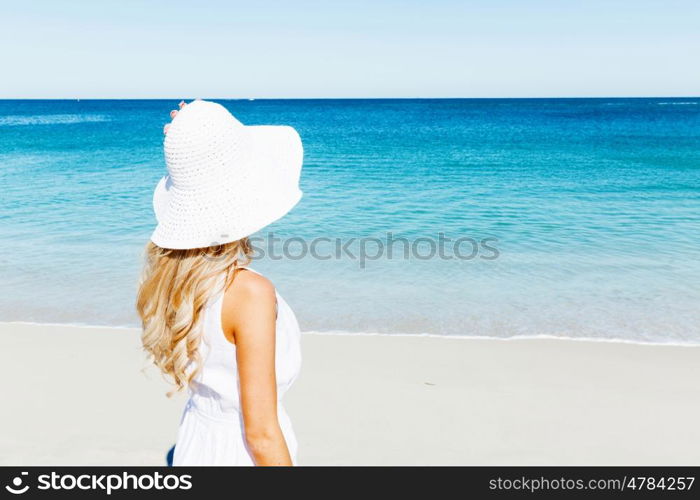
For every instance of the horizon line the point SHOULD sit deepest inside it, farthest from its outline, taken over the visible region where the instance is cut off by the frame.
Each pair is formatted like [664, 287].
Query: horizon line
[336, 98]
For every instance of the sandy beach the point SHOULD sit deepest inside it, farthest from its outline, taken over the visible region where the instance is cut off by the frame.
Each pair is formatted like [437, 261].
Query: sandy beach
[84, 396]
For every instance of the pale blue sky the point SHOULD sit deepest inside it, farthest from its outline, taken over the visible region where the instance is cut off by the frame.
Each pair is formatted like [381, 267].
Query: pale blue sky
[359, 48]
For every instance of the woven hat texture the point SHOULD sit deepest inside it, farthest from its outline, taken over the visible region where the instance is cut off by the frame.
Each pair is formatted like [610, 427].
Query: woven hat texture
[225, 180]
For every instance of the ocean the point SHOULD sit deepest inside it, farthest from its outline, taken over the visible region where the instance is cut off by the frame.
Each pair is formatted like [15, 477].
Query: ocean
[507, 217]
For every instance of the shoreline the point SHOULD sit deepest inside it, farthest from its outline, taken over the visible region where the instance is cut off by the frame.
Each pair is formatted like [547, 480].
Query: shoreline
[341, 333]
[87, 396]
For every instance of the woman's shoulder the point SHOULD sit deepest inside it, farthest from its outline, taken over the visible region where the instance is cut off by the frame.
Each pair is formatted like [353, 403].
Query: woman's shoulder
[249, 297]
[250, 285]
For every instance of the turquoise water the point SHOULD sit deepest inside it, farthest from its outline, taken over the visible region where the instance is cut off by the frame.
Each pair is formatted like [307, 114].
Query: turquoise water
[592, 206]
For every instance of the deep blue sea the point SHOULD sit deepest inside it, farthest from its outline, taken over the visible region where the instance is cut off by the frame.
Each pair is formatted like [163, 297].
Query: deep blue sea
[591, 208]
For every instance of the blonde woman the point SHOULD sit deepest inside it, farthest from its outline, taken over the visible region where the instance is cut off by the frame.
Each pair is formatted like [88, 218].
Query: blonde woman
[213, 326]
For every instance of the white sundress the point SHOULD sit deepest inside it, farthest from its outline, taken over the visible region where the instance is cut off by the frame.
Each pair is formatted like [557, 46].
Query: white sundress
[211, 430]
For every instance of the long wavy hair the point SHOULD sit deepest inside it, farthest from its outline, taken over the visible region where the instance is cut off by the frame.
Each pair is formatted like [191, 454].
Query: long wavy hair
[174, 290]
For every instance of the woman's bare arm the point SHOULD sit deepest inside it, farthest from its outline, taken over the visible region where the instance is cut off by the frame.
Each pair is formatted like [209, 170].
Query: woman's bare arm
[248, 318]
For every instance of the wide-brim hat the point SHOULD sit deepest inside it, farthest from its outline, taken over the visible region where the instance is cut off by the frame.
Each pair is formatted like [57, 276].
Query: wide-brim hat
[225, 180]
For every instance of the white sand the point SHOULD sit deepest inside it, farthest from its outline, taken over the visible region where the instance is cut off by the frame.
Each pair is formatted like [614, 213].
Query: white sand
[77, 396]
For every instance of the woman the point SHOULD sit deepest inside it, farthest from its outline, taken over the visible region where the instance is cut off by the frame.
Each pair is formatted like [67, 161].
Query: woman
[210, 324]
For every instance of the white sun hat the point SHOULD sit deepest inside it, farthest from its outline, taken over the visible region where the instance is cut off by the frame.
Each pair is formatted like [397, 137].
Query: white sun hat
[225, 180]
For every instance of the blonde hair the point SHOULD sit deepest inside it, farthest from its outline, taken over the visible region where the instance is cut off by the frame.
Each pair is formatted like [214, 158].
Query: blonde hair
[175, 288]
